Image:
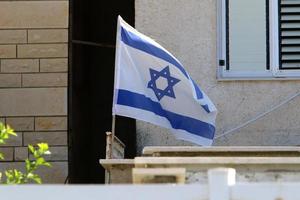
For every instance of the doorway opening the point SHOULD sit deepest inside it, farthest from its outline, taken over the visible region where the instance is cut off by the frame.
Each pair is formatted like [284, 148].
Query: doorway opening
[92, 36]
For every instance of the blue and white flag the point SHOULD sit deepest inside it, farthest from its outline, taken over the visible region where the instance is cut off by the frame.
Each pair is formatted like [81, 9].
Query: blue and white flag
[152, 85]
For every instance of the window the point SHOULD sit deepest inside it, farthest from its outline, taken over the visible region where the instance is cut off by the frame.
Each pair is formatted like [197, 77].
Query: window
[259, 39]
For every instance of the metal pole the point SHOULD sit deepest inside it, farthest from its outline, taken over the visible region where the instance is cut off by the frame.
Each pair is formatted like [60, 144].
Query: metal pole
[113, 128]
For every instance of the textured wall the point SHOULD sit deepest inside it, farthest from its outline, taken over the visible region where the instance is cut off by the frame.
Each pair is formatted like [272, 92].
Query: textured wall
[187, 28]
[33, 80]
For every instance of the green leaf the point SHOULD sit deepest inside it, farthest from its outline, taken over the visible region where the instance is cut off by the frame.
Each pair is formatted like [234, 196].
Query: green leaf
[10, 131]
[47, 164]
[31, 149]
[40, 161]
[1, 156]
[43, 146]
[35, 178]
[5, 132]
[28, 164]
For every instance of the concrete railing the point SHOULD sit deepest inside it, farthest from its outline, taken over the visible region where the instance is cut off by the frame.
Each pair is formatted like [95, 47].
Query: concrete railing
[253, 164]
[221, 185]
[219, 151]
[250, 169]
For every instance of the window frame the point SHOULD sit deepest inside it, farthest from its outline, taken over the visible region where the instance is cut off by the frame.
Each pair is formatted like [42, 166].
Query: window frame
[274, 73]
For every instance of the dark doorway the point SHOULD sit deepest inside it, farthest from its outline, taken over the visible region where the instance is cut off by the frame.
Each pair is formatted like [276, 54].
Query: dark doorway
[91, 70]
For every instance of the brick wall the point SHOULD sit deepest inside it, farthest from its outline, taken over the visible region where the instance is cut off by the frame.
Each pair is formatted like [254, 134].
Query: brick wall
[33, 80]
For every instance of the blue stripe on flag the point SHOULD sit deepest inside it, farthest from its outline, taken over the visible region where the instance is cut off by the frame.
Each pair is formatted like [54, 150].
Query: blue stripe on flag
[177, 121]
[137, 42]
[198, 91]
[199, 95]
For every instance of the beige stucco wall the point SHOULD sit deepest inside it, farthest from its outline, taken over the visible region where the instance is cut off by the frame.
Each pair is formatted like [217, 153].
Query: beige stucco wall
[187, 28]
[33, 81]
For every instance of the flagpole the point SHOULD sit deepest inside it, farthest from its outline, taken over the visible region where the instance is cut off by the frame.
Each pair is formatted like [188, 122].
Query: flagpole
[112, 138]
[113, 127]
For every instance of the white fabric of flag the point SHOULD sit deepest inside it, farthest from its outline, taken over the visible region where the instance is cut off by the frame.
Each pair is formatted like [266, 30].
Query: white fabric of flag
[151, 85]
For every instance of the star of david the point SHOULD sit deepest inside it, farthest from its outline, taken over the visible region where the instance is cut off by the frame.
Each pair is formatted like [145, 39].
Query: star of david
[162, 76]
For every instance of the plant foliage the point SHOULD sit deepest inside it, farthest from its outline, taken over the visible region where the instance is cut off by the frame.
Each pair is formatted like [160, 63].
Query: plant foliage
[14, 176]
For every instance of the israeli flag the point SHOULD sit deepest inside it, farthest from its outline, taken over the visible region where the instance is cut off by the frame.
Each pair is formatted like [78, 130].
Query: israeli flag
[152, 85]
